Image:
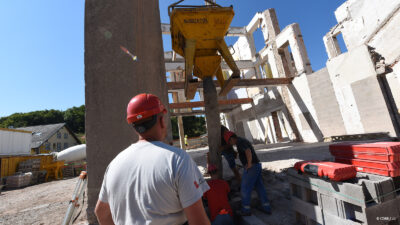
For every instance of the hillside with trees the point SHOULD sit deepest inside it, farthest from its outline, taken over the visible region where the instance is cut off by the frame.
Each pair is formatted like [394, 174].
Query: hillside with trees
[74, 117]
[194, 126]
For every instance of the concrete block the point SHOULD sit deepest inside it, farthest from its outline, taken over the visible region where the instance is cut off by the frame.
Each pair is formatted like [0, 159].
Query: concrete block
[333, 209]
[345, 70]
[374, 117]
[325, 103]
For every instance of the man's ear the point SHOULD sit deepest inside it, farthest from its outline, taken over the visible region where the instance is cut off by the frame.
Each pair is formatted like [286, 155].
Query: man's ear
[162, 121]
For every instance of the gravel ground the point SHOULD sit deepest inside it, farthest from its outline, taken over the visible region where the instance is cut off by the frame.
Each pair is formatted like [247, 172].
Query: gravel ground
[47, 203]
[41, 204]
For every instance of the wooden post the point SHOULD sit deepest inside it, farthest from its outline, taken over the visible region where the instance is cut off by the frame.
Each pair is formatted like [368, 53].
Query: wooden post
[213, 122]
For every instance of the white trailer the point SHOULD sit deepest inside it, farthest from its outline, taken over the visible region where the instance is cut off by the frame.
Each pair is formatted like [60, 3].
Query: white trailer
[15, 142]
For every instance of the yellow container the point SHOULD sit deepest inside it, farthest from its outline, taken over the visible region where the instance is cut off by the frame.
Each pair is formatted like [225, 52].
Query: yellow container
[197, 34]
[205, 25]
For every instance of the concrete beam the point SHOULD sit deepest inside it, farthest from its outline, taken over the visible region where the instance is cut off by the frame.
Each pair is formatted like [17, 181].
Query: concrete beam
[232, 31]
[193, 113]
[182, 105]
[179, 65]
[254, 23]
[199, 112]
[242, 83]
[291, 36]
[170, 56]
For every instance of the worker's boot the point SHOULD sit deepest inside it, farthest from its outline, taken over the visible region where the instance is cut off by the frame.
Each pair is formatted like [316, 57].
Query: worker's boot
[265, 208]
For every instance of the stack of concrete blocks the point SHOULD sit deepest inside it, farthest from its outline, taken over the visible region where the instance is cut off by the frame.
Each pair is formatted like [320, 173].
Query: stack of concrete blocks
[367, 199]
[20, 180]
[25, 166]
[68, 170]
[30, 166]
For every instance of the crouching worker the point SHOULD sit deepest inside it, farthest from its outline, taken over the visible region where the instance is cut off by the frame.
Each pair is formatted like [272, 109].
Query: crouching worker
[217, 197]
[251, 177]
[229, 153]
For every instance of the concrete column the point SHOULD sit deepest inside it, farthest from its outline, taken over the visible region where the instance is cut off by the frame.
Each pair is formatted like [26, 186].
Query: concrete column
[112, 78]
[213, 122]
[272, 27]
[181, 132]
[299, 51]
[277, 126]
[332, 46]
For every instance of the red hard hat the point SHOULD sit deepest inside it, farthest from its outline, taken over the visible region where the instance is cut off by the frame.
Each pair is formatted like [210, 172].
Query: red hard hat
[228, 134]
[143, 106]
[212, 168]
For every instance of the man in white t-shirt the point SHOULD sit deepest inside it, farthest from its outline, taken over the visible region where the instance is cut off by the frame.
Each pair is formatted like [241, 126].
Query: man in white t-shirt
[151, 182]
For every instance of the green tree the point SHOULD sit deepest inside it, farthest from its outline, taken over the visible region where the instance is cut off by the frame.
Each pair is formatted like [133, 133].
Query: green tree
[194, 126]
[75, 118]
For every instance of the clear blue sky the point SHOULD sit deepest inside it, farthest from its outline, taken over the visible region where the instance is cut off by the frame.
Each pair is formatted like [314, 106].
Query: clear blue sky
[41, 45]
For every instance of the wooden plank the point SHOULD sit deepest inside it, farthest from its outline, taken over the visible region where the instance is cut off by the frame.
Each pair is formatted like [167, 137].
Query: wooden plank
[183, 105]
[242, 83]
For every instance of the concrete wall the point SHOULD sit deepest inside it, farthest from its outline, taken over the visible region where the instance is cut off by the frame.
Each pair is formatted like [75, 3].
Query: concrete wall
[112, 78]
[360, 20]
[374, 23]
[358, 92]
[325, 104]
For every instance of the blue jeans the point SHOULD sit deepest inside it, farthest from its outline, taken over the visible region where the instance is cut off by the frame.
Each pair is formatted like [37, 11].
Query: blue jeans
[252, 178]
[224, 219]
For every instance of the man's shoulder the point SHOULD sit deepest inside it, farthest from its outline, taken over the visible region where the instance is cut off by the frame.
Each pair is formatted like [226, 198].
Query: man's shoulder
[243, 141]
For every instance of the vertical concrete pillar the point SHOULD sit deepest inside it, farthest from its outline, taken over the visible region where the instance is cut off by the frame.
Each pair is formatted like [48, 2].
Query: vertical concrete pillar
[277, 126]
[213, 122]
[112, 78]
[299, 51]
[272, 27]
[331, 45]
[181, 132]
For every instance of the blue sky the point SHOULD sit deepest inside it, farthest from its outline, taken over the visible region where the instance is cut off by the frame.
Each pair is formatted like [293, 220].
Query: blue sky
[41, 45]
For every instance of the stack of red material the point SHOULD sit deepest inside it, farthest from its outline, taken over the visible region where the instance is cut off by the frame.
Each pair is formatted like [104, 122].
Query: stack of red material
[331, 170]
[382, 158]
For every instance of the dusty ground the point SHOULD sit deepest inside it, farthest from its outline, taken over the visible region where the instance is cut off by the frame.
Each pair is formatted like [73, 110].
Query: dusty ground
[42, 204]
[47, 203]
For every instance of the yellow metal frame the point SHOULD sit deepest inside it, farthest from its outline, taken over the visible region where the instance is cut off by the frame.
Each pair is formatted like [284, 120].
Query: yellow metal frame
[9, 164]
[197, 34]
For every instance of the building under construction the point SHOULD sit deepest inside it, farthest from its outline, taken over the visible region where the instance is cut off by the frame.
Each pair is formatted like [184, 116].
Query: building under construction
[276, 98]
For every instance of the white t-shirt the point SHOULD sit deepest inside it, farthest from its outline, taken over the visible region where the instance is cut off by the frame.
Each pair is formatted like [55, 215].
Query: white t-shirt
[151, 183]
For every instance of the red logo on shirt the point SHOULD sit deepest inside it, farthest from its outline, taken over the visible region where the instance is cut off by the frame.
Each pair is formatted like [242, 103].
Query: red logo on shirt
[196, 184]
